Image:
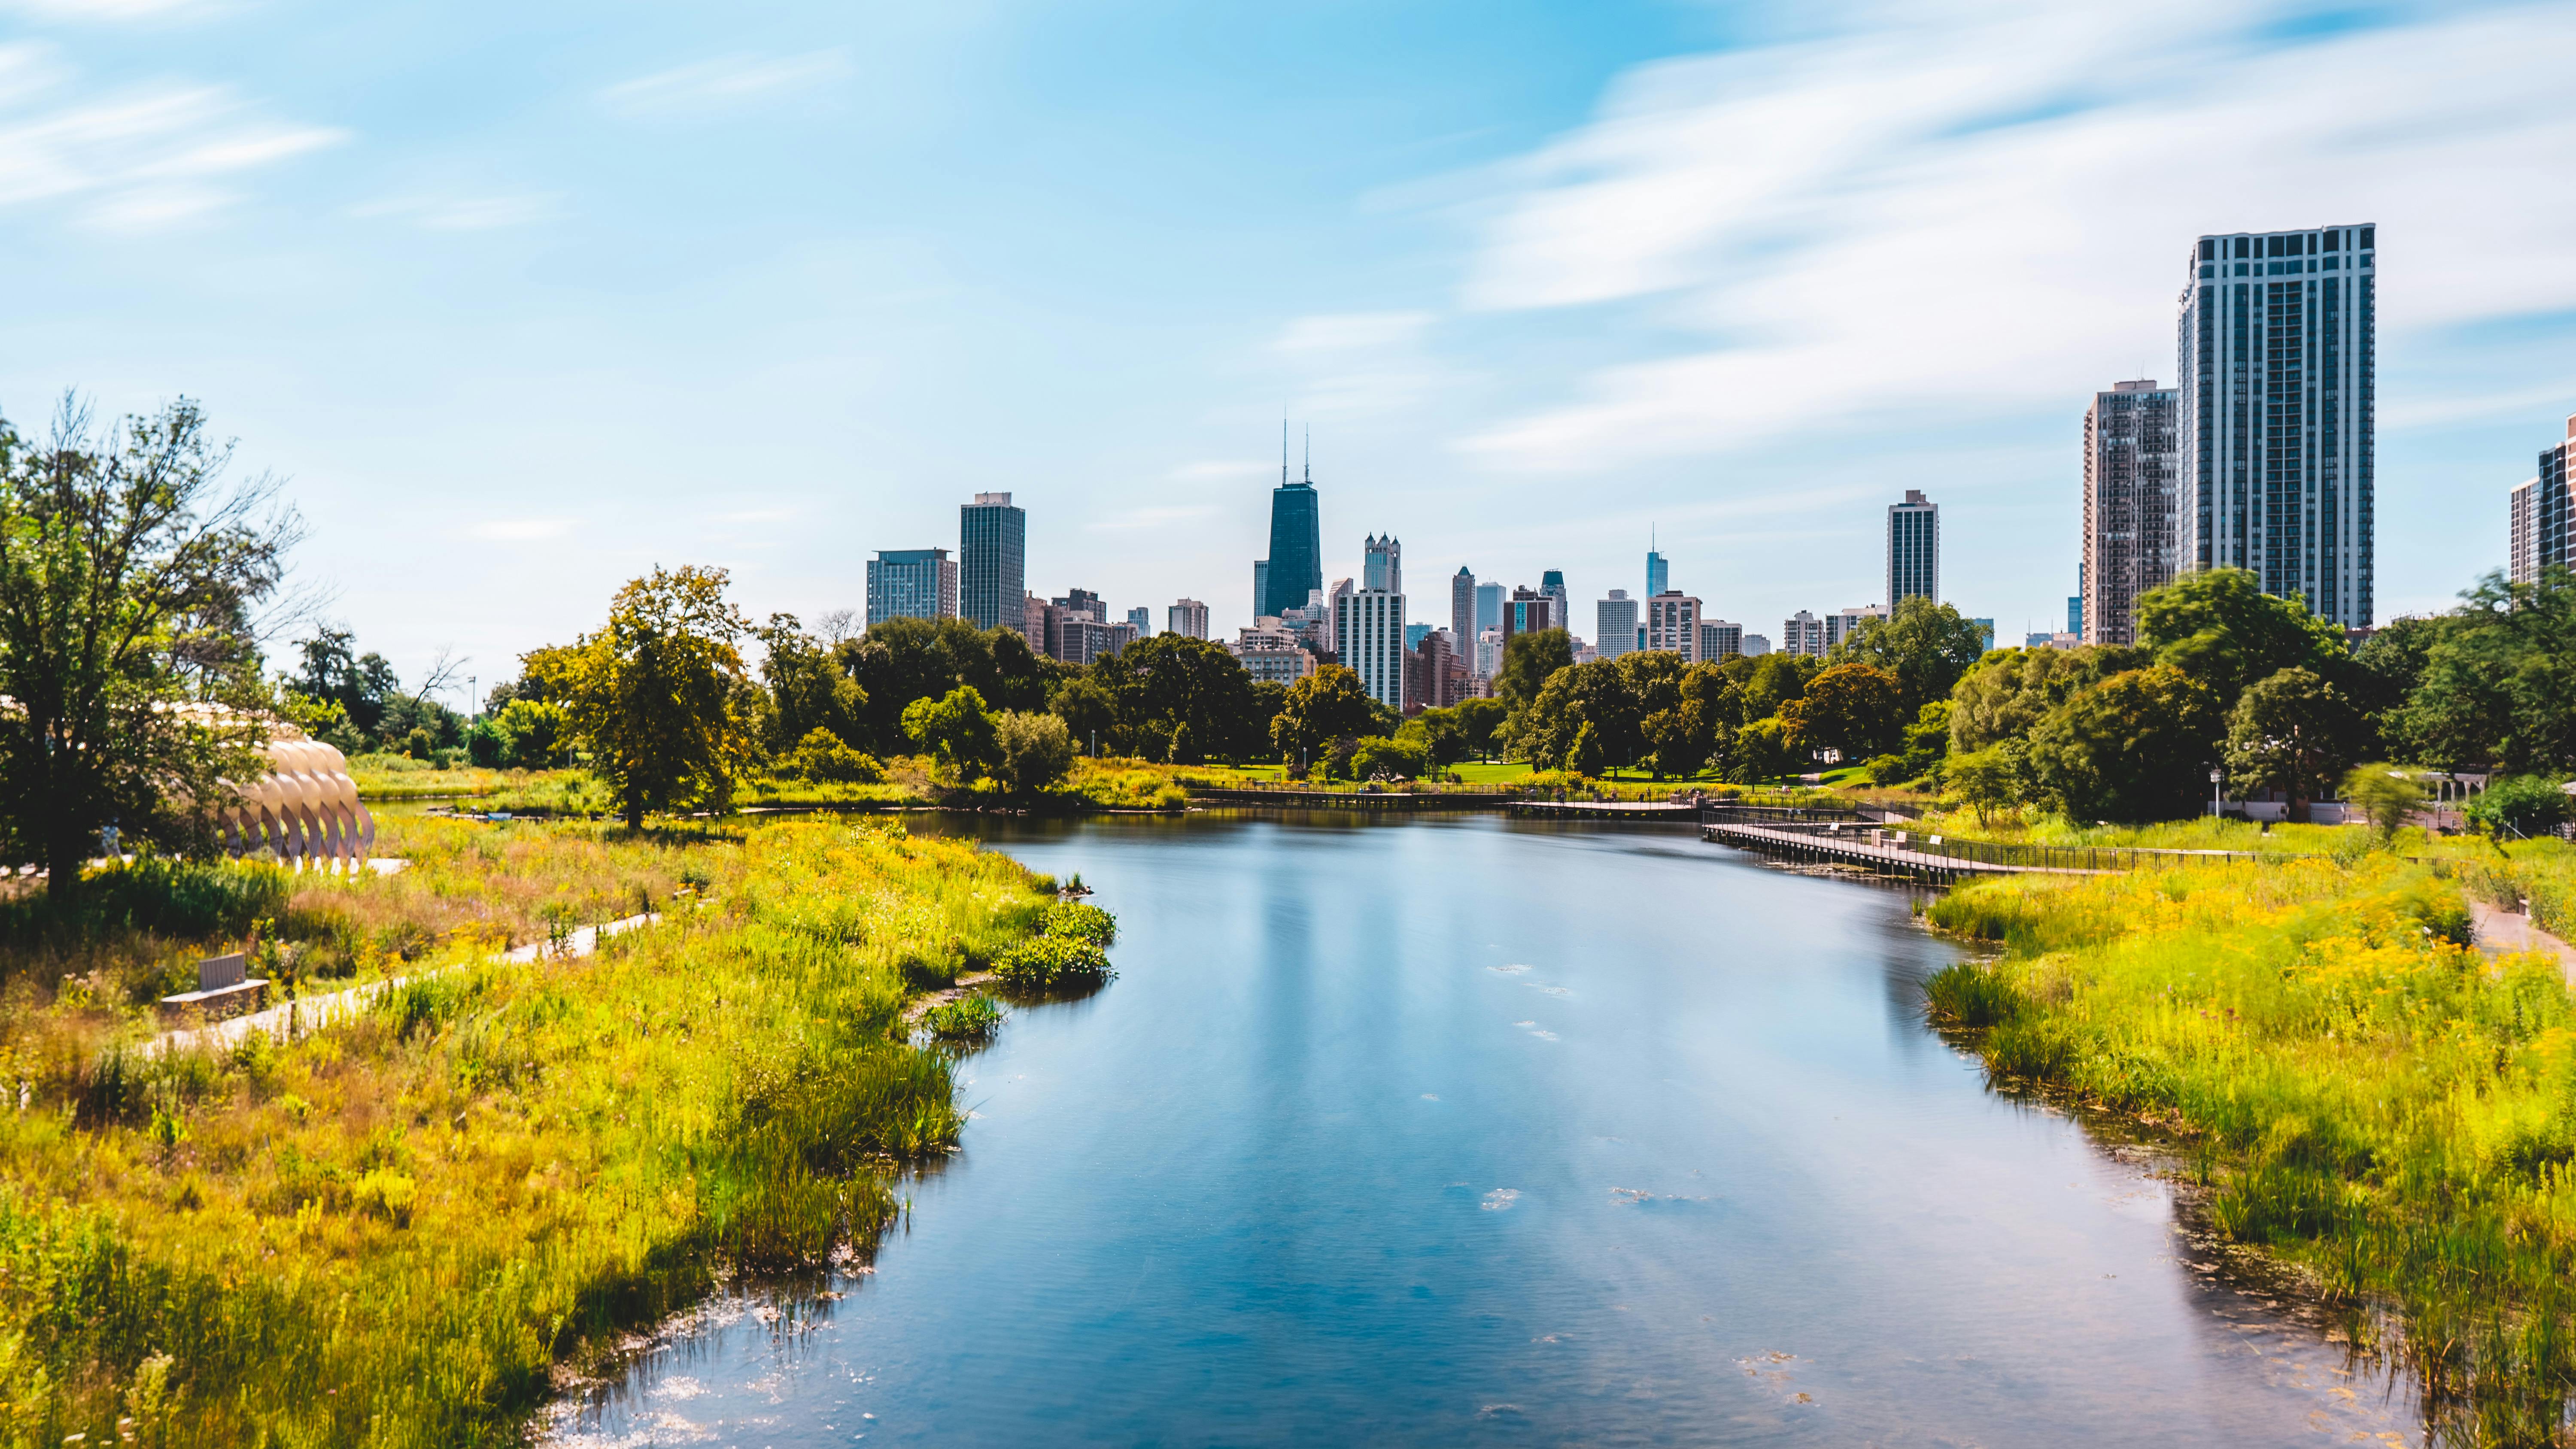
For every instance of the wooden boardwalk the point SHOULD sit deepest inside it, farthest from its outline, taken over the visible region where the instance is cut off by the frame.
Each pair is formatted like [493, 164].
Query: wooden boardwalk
[1856, 848]
[1605, 810]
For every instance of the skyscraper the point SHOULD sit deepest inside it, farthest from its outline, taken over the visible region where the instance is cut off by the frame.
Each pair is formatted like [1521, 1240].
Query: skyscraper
[911, 583]
[1462, 609]
[1552, 584]
[2129, 477]
[1614, 625]
[2278, 337]
[1719, 639]
[1672, 624]
[1913, 549]
[1368, 639]
[1489, 606]
[1187, 618]
[1382, 564]
[1296, 541]
[2541, 510]
[1658, 573]
[1800, 633]
[1141, 619]
[1260, 587]
[992, 561]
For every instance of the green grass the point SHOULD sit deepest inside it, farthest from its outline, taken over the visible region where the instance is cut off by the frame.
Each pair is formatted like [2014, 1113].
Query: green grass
[2357, 1090]
[393, 777]
[392, 1233]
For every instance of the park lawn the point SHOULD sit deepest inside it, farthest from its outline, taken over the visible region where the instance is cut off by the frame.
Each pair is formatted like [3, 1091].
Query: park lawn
[2357, 1089]
[396, 1231]
[1477, 772]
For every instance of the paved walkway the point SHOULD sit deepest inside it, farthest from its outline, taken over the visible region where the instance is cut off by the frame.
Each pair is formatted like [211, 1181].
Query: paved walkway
[311, 1013]
[2500, 931]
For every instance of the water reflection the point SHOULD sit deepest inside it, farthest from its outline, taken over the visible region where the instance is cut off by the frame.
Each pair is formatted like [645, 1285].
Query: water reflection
[1463, 1131]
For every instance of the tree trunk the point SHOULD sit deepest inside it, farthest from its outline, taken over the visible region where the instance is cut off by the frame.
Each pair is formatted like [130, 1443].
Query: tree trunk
[63, 861]
[2298, 809]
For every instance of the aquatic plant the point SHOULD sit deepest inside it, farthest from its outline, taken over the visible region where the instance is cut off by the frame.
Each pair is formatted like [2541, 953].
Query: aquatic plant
[1970, 994]
[1081, 921]
[1053, 963]
[969, 1020]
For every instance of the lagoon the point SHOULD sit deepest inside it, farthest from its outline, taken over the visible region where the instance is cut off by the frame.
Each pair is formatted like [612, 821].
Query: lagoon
[1467, 1131]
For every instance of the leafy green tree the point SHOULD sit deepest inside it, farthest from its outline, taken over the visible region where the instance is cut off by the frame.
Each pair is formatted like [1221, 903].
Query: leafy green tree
[1089, 712]
[1438, 735]
[1925, 646]
[821, 756]
[1993, 779]
[2498, 685]
[1478, 720]
[1585, 757]
[1595, 694]
[901, 660]
[2294, 733]
[1768, 749]
[533, 733]
[359, 684]
[2520, 806]
[808, 688]
[1924, 745]
[2388, 667]
[2221, 629]
[652, 694]
[2011, 690]
[1173, 690]
[1854, 709]
[1771, 680]
[955, 730]
[1393, 757]
[1325, 708]
[126, 563]
[1036, 750]
[1697, 727]
[2387, 796]
[1529, 660]
[2135, 747]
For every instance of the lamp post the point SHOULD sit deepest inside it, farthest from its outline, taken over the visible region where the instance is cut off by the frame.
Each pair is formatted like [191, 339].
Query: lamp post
[2215, 776]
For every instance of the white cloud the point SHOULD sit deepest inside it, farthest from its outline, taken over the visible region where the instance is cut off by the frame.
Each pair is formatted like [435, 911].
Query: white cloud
[147, 159]
[464, 213]
[1352, 364]
[725, 83]
[1987, 208]
[522, 530]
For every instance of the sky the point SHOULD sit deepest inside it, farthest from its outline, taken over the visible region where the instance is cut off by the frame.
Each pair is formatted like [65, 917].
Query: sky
[524, 301]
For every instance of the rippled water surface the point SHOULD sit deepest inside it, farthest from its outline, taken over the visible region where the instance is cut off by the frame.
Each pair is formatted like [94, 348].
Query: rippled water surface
[1460, 1131]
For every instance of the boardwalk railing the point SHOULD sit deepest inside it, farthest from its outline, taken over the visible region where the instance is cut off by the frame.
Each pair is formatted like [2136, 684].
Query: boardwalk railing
[1920, 846]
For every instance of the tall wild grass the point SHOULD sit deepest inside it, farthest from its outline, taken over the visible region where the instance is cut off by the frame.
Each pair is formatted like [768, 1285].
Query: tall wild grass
[394, 1233]
[2362, 1090]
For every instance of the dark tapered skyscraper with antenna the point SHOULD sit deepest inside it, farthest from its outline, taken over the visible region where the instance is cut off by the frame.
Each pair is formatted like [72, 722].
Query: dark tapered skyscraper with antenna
[1296, 539]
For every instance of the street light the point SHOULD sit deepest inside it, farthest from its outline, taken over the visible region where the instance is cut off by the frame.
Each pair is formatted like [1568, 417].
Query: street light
[2214, 777]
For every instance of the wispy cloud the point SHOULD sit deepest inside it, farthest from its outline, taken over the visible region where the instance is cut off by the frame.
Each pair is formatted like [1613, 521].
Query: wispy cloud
[522, 530]
[465, 213]
[725, 83]
[147, 159]
[1350, 364]
[1986, 208]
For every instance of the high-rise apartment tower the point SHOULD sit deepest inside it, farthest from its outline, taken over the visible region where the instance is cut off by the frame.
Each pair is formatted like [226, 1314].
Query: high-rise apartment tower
[2277, 342]
[1368, 638]
[2541, 510]
[1382, 564]
[1187, 618]
[992, 561]
[911, 583]
[1913, 549]
[2130, 472]
[1462, 609]
[1614, 625]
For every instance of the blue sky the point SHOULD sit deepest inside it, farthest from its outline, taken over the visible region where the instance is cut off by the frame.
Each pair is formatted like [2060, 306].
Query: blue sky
[525, 302]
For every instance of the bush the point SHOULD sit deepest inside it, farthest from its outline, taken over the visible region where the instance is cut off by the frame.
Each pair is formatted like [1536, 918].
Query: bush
[193, 899]
[821, 757]
[1053, 963]
[969, 1020]
[1079, 921]
[1036, 750]
[1971, 995]
[2519, 806]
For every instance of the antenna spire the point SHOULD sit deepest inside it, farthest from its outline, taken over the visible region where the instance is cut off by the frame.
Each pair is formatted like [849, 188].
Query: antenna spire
[1310, 453]
[1283, 451]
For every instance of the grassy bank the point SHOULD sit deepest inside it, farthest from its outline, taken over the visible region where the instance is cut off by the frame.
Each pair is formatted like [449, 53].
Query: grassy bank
[2359, 1090]
[398, 777]
[395, 1232]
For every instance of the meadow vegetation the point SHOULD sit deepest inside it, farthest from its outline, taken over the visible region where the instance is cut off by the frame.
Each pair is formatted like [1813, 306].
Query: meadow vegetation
[403, 1230]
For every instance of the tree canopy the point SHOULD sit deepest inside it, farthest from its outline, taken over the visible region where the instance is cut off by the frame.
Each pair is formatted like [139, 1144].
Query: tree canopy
[1528, 661]
[2219, 627]
[2497, 683]
[901, 660]
[653, 694]
[1327, 707]
[1924, 646]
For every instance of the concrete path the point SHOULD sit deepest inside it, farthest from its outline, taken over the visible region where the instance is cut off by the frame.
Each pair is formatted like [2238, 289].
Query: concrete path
[2500, 931]
[291, 1019]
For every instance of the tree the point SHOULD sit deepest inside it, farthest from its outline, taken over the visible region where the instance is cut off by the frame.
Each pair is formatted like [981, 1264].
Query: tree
[2011, 690]
[808, 688]
[1597, 695]
[1035, 750]
[1392, 757]
[123, 557]
[1926, 743]
[1992, 779]
[822, 757]
[2520, 806]
[955, 730]
[2498, 684]
[533, 733]
[1529, 661]
[1478, 719]
[1325, 707]
[1438, 734]
[1585, 756]
[1698, 726]
[1089, 712]
[2388, 797]
[652, 694]
[1926, 646]
[2135, 747]
[1856, 710]
[901, 660]
[1768, 749]
[2221, 629]
[2294, 733]
[1173, 689]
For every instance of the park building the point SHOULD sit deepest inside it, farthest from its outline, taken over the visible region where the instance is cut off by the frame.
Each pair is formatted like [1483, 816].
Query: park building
[1368, 640]
[992, 573]
[1802, 633]
[2131, 469]
[1615, 626]
[2277, 339]
[1719, 639]
[2541, 510]
[1187, 618]
[1672, 624]
[911, 583]
[1913, 549]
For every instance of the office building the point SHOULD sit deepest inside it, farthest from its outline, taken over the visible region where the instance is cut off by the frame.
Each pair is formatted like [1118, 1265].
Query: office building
[1842, 624]
[1719, 640]
[1489, 606]
[1614, 624]
[1261, 589]
[1986, 627]
[1657, 573]
[1382, 565]
[2277, 342]
[1435, 677]
[992, 561]
[1274, 655]
[1802, 633]
[1672, 624]
[1368, 640]
[1462, 605]
[1489, 652]
[1141, 619]
[1913, 549]
[1552, 584]
[2540, 512]
[1528, 611]
[2131, 471]
[1296, 562]
[1187, 618]
[1755, 646]
[911, 583]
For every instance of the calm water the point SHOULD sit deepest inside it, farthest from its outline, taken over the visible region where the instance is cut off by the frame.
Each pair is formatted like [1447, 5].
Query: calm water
[1465, 1132]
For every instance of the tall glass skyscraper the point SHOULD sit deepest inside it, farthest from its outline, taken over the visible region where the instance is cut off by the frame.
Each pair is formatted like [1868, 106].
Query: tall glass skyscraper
[1913, 549]
[1296, 547]
[2278, 341]
[1658, 574]
[993, 562]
